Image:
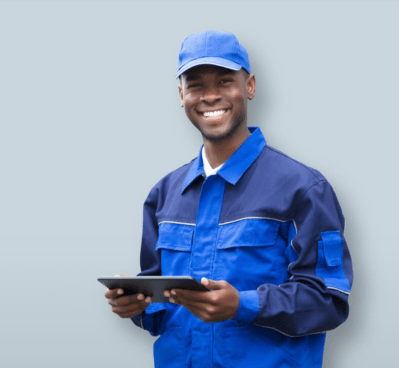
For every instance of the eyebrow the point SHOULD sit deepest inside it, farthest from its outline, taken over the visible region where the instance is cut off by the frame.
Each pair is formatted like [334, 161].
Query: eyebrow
[222, 71]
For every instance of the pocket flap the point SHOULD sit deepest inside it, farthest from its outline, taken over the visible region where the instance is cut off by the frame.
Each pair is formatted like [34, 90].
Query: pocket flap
[332, 246]
[175, 237]
[248, 233]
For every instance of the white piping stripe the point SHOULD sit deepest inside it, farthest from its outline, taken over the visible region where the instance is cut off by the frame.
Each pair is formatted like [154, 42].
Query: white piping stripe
[312, 333]
[333, 288]
[294, 248]
[175, 222]
[296, 230]
[328, 287]
[248, 218]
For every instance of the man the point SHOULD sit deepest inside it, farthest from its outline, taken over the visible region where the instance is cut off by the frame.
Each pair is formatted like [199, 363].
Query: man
[262, 231]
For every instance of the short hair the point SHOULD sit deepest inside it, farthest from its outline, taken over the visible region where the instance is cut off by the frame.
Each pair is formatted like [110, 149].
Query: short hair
[246, 75]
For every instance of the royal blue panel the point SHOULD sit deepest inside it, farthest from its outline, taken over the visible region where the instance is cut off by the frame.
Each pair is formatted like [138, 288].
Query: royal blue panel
[174, 243]
[253, 253]
[205, 237]
[175, 236]
[169, 349]
[332, 246]
[291, 254]
[248, 232]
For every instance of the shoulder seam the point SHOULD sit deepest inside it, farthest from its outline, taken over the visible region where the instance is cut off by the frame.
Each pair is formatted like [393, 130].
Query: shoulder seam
[307, 190]
[290, 158]
[170, 173]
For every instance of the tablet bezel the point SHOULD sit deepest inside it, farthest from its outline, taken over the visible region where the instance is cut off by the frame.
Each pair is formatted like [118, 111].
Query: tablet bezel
[153, 286]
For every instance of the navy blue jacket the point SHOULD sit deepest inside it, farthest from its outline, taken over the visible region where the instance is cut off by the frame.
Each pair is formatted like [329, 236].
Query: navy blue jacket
[270, 226]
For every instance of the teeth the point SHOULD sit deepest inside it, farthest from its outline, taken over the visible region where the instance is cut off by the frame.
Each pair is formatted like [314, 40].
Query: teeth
[214, 113]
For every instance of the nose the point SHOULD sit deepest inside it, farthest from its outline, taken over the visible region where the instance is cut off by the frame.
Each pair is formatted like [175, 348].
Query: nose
[211, 94]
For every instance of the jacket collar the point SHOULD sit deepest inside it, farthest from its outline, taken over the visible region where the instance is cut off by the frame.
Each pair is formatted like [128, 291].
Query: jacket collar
[236, 165]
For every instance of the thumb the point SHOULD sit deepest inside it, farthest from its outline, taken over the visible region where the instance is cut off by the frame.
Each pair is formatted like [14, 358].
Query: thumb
[212, 284]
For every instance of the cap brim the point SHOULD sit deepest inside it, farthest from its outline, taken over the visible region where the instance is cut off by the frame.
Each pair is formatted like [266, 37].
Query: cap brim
[217, 61]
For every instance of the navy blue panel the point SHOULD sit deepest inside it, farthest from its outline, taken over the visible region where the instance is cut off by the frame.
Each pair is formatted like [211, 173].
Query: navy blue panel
[273, 186]
[172, 204]
[285, 307]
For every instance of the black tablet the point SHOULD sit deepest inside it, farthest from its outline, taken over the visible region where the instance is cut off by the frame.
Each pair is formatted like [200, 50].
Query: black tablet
[152, 285]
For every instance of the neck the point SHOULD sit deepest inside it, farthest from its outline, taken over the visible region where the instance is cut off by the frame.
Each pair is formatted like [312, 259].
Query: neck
[219, 151]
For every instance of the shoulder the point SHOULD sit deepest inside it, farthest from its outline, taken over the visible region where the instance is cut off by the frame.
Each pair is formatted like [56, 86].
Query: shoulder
[283, 166]
[173, 180]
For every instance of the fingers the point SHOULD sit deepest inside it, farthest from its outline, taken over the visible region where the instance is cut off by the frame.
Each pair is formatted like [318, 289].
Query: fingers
[113, 293]
[180, 296]
[218, 304]
[214, 285]
[130, 299]
[130, 305]
[126, 306]
[196, 296]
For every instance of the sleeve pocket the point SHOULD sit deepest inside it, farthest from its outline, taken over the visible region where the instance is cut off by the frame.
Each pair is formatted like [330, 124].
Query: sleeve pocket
[329, 261]
[332, 246]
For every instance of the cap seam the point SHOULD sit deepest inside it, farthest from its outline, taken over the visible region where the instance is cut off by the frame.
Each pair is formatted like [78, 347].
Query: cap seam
[206, 45]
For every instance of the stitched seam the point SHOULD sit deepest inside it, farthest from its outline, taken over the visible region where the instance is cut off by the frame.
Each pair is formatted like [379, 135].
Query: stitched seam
[249, 218]
[312, 333]
[300, 202]
[340, 290]
[175, 222]
[290, 158]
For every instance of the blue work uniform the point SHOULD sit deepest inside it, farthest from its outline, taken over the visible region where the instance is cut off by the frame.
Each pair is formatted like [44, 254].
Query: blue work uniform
[270, 226]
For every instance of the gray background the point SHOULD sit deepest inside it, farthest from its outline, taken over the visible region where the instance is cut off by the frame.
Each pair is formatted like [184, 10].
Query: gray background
[91, 120]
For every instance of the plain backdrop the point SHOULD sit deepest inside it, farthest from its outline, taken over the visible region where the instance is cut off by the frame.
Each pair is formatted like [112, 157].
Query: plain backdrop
[91, 120]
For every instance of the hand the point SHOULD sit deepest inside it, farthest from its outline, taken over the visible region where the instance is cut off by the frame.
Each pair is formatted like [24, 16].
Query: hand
[128, 306]
[217, 305]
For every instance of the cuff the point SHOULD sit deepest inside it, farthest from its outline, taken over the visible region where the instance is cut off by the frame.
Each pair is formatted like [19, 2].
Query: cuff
[151, 318]
[138, 320]
[248, 308]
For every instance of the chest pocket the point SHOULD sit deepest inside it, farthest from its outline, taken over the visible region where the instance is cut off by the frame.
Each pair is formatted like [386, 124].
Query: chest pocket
[174, 243]
[249, 253]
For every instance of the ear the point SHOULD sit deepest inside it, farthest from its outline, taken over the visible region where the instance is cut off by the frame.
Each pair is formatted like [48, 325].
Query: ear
[251, 87]
[181, 95]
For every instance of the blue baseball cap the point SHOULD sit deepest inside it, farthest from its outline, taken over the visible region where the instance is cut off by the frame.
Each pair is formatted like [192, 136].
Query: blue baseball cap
[212, 48]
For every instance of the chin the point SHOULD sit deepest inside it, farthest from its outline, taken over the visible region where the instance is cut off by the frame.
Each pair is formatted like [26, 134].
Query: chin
[216, 137]
[221, 133]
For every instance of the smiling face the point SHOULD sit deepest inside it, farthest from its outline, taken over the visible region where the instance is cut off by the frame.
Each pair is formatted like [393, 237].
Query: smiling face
[215, 100]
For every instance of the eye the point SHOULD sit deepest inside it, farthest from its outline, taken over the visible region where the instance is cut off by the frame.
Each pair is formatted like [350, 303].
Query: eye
[225, 80]
[194, 85]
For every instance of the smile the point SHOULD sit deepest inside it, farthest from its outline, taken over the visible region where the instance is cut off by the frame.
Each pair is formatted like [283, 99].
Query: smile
[213, 113]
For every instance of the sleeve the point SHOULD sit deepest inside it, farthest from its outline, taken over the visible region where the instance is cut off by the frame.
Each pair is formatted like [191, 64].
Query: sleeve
[150, 263]
[315, 298]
